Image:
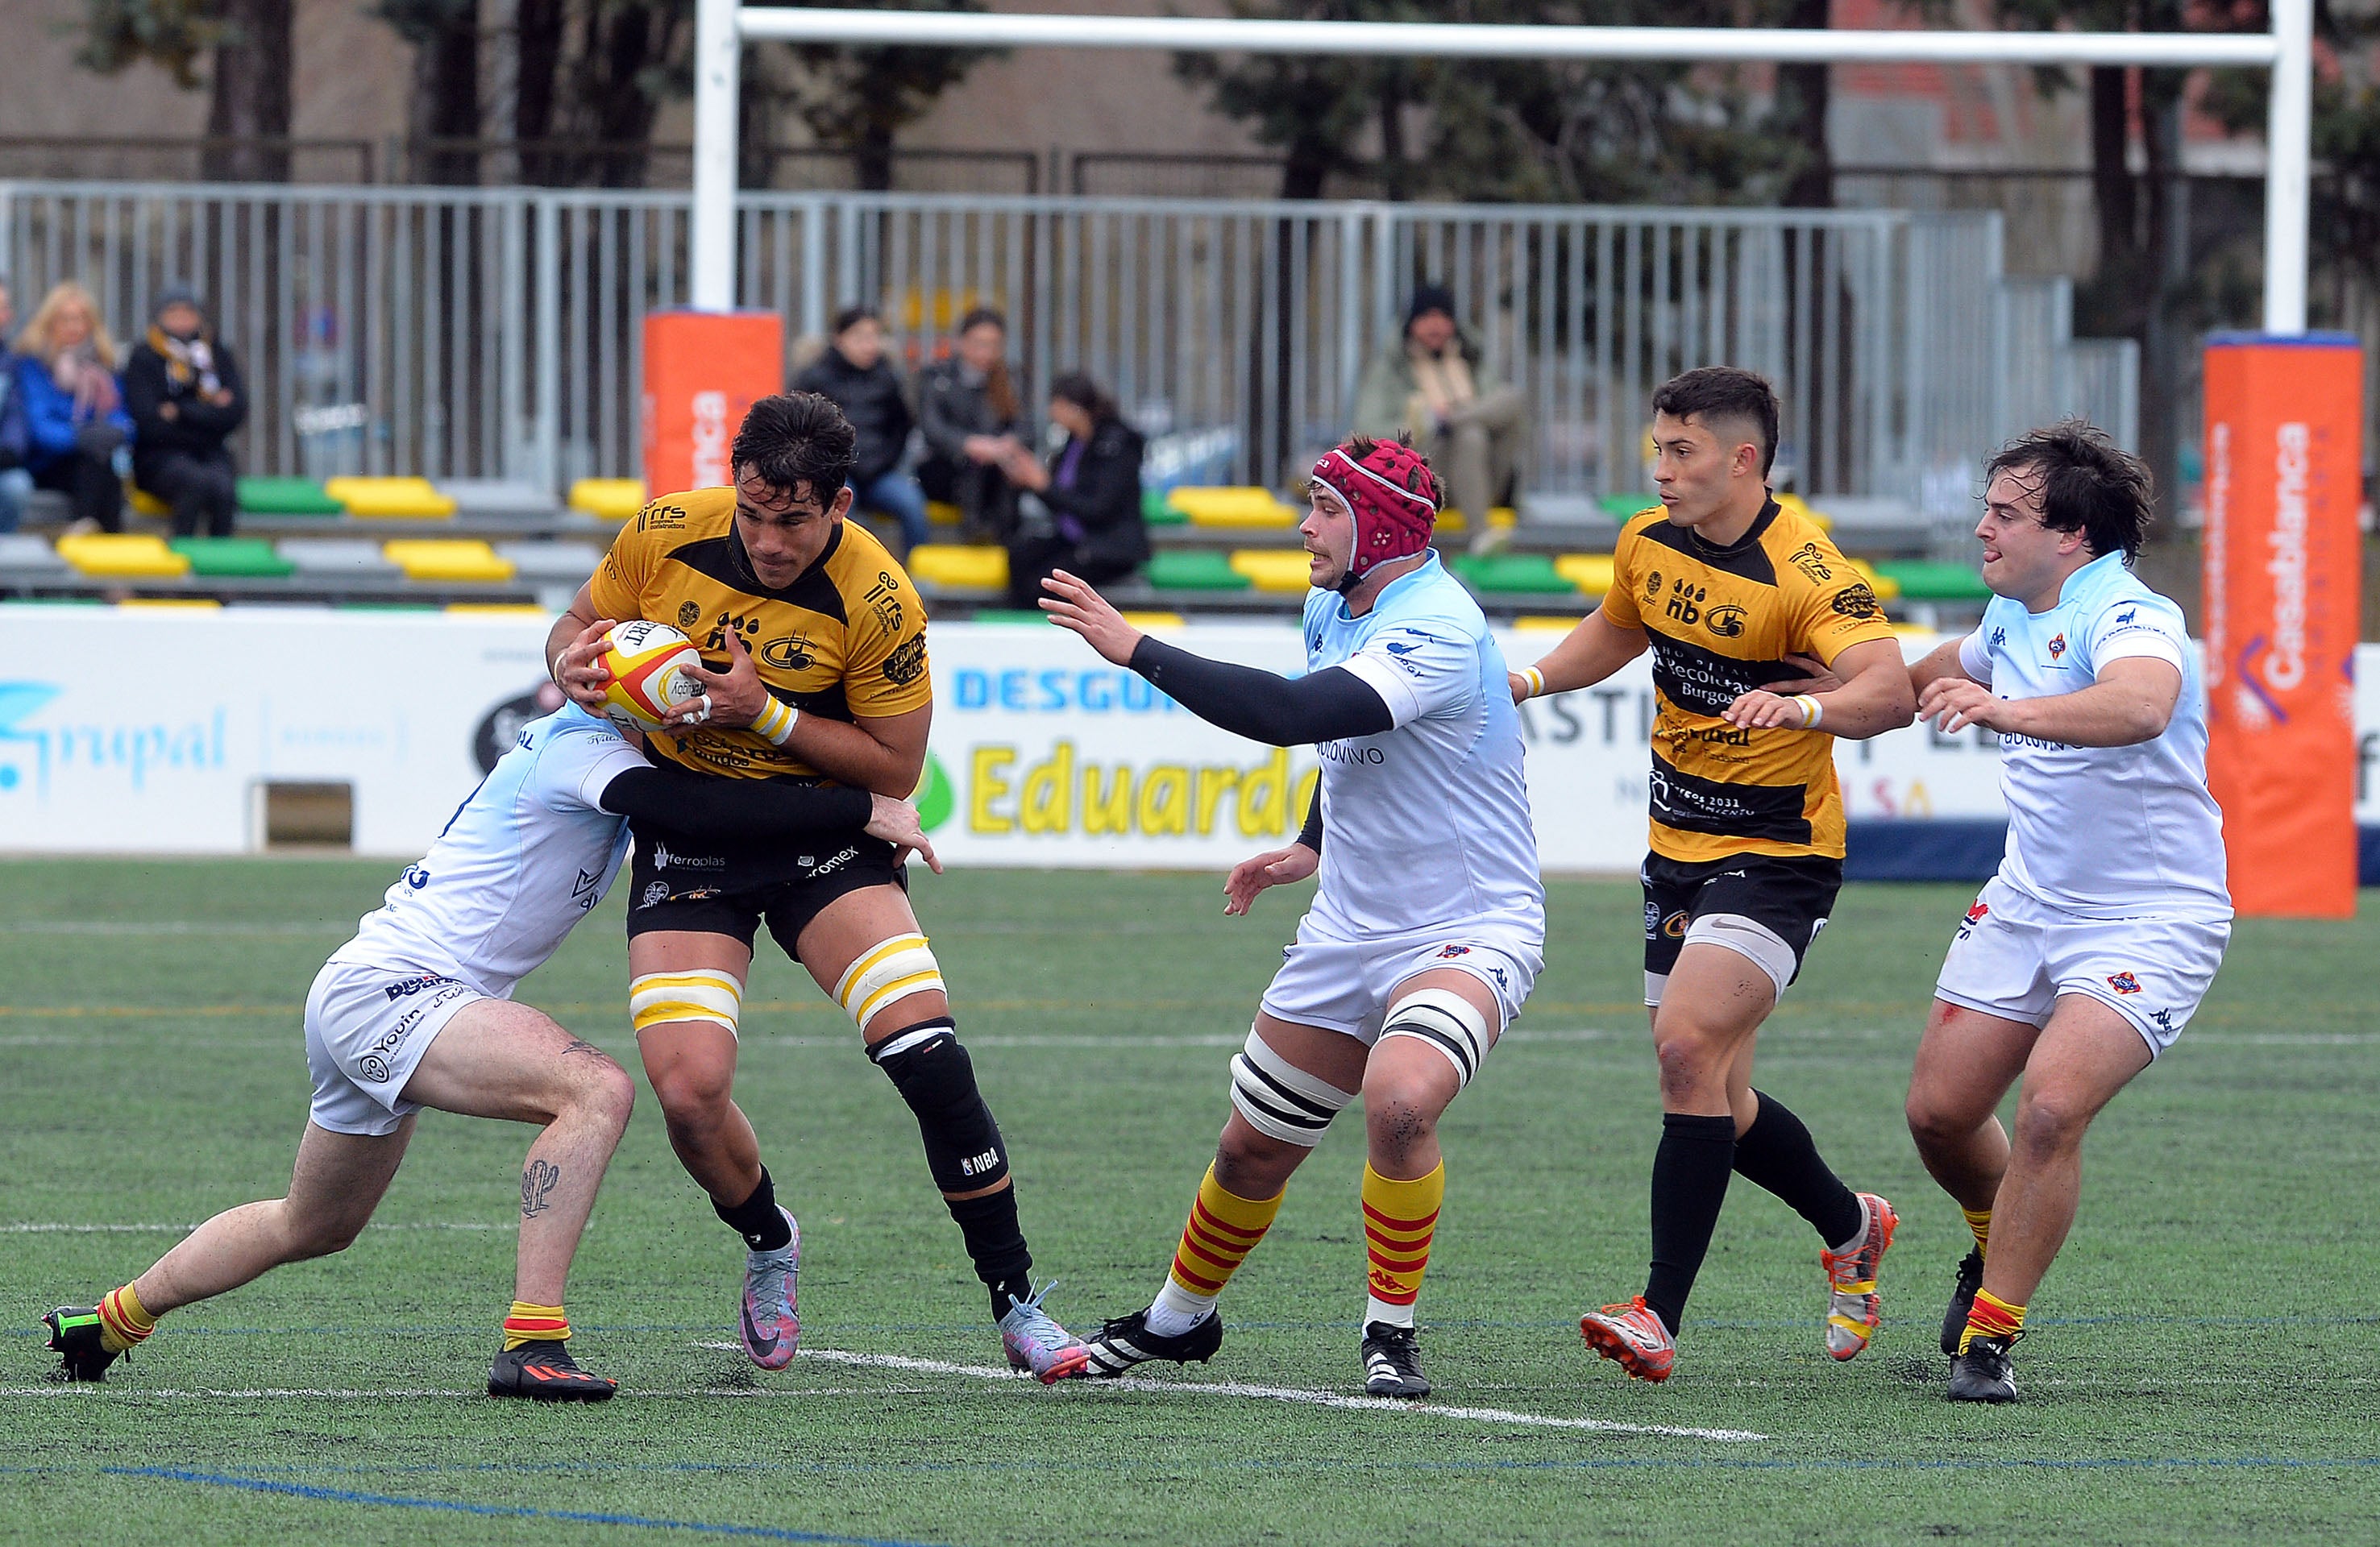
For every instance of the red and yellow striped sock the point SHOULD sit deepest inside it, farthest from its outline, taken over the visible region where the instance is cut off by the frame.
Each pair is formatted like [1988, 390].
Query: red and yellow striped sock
[535, 1324]
[1399, 1218]
[1991, 1317]
[1223, 1228]
[1980, 1221]
[123, 1320]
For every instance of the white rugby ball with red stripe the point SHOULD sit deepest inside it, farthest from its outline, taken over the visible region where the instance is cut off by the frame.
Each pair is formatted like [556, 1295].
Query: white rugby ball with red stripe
[651, 666]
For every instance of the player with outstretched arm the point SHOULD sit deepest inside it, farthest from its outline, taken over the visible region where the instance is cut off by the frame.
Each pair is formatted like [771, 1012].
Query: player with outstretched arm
[818, 676]
[1747, 832]
[417, 1011]
[1428, 928]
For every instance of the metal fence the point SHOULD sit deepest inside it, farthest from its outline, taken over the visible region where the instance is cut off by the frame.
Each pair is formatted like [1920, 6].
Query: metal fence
[496, 333]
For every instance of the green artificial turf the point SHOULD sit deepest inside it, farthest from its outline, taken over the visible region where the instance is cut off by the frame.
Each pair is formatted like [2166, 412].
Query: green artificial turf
[2202, 1365]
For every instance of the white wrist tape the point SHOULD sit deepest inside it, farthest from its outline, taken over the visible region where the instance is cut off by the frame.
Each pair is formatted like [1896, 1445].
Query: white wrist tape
[1536, 679]
[776, 721]
[1811, 711]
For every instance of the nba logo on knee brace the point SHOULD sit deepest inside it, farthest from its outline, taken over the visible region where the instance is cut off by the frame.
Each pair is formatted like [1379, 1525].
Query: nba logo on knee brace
[977, 1164]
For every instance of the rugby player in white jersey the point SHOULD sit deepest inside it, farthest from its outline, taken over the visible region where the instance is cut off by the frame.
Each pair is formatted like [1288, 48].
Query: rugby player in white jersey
[2087, 954]
[417, 1011]
[1428, 928]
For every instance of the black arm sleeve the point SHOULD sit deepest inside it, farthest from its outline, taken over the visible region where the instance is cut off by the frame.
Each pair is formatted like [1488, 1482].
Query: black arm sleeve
[1280, 712]
[1311, 835]
[701, 806]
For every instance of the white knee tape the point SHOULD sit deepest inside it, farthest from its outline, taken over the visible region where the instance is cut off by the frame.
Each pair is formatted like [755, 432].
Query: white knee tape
[1281, 1100]
[1446, 1021]
[887, 972]
[659, 998]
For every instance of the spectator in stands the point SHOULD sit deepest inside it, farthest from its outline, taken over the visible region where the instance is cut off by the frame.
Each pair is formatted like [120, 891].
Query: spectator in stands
[968, 408]
[1081, 512]
[183, 389]
[1433, 382]
[15, 441]
[854, 374]
[74, 407]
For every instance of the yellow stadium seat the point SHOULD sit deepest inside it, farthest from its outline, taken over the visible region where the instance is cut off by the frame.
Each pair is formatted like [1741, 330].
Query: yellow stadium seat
[447, 559]
[611, 499]
[942, 512]
[1544, 623]
[1591, 572]
[1154, 620]
[184, 604]
[1885, 587]
[1275, 569]
[953, 567]
[384, 499]
[123, 556]
[1501, 519]
[1238, 506]
[1801, 507]
[145, 503]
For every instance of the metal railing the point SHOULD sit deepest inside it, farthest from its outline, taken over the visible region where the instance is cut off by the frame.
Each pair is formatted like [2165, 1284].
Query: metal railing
[463, 332]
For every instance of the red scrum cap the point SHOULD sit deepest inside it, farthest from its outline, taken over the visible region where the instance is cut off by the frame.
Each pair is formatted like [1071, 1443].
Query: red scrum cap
[1394, 494]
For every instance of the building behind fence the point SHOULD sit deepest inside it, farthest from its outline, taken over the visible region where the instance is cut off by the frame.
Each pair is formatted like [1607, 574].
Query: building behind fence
[469, 333]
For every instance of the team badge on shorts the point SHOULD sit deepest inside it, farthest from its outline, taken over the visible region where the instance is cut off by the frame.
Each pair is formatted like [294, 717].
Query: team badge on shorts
[1976, 912]
[2123, 983]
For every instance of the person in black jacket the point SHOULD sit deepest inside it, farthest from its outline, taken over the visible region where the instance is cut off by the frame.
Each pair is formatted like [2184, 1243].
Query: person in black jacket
[968, 408]
[183, 389]
[853, 374]
[1089, 519]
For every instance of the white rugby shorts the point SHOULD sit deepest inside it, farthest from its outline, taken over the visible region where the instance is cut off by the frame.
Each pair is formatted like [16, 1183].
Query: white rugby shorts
[1343, 985]
[2014, 956]
[367, 1028]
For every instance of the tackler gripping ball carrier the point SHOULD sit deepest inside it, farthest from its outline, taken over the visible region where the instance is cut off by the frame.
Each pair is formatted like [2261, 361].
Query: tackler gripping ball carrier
[651, 672]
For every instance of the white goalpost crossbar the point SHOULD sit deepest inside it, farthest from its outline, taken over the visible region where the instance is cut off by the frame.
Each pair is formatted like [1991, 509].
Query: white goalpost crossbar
[723, 27]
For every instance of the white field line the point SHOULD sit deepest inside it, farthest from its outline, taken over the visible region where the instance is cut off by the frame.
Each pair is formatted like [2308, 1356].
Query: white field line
[1277, 1394]
[44, 1228]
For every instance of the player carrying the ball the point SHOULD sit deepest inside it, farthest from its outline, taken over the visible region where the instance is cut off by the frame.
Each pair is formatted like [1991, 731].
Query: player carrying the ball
[1747, 831]
[819, 677]
[1428, 929]
[417, 1011]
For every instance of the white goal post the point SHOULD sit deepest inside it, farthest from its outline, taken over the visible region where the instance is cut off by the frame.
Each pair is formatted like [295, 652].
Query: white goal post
[723, 27]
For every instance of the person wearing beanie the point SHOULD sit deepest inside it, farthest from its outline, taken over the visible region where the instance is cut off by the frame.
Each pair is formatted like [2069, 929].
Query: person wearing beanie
[1431, 383]
[1427, 930]
[183, 389]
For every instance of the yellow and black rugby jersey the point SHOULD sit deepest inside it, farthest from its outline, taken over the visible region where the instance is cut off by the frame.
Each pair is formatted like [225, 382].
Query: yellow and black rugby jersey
[846, 640]
[1722, 621]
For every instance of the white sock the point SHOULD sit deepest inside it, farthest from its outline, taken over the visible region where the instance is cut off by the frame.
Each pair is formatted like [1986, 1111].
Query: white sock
[1378, 1310]
[1176, 1310]
[1859, 1238]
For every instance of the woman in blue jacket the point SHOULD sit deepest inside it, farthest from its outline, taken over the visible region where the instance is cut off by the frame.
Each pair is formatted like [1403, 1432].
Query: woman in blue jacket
[74, 407]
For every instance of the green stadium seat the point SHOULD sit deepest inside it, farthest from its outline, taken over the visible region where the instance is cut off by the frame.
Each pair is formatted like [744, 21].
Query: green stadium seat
[286, 497]
[1193, 569]
[1931, 580]
[240, 558]
[1511, 573]
[1008, 615]
[1157, 511]
[1619, 507]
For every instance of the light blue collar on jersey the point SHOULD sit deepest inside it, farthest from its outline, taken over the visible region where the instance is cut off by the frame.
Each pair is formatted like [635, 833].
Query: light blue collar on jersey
[1429, 569]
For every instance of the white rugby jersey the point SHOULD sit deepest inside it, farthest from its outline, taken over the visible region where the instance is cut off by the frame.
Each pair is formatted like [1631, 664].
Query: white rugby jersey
[2103, 832]
[1425, 825]
[521, 861]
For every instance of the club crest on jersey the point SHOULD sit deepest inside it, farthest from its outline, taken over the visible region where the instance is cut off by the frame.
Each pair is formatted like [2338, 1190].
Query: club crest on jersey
[1727, 622]
[1652, 585]
[689, 615]
[789, 654]
[2123, 983]
[2057, 646]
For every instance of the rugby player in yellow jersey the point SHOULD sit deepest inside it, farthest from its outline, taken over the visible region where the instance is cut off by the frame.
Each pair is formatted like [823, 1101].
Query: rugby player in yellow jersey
[1747, 830]
[815, 642]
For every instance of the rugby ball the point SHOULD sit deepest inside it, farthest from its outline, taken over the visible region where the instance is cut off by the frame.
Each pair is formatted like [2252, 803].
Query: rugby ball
[651, 672]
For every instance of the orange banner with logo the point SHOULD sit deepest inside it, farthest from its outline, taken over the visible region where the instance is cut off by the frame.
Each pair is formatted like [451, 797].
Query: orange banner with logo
[703, 370]
[2284, 586]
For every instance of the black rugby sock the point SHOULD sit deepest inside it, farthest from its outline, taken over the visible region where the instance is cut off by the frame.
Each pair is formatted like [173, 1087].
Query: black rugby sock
[1777, 1153]
[756, 1218]
[1690, 1173]
[995, 1241]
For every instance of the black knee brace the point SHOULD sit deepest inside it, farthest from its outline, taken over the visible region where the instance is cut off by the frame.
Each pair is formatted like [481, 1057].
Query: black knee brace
[935, 1076]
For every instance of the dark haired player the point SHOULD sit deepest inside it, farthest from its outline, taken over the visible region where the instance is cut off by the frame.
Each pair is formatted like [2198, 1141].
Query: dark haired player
[1747, 831]
[1429, 927]
[816, 645]
[2086, 955]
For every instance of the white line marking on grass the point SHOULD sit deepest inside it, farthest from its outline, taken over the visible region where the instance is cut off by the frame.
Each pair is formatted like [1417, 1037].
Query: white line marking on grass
[1280, 1393]
[47, 1229]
